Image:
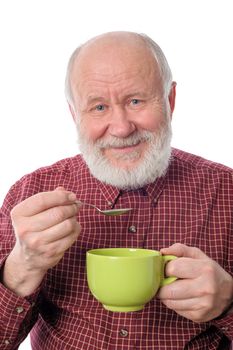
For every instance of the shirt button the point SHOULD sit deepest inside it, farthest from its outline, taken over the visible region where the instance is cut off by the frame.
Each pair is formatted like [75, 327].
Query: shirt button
[224, 329]
[132, 229]
[7, 342]
[19, 309]
[123, 333]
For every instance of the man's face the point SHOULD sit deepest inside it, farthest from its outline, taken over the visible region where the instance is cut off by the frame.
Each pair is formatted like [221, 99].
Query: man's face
[120, 108]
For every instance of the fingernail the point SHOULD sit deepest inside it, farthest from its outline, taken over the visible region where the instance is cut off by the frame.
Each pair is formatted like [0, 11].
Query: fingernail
[72, 197]
[79, 204]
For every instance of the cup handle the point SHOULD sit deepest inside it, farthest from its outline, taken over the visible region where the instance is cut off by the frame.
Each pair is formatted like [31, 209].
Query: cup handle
[167, 280]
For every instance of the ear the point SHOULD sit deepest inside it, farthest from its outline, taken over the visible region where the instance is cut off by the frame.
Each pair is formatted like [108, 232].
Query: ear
[172, 97]
[73, 113]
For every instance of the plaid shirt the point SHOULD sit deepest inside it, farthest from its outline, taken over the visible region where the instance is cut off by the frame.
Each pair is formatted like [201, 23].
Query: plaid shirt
[192, 204]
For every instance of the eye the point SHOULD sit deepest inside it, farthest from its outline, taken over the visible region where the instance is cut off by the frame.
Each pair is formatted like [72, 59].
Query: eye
[99, 108]
[135, 101]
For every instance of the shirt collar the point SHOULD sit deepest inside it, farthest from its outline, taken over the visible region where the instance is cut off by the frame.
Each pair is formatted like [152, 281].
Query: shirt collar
[153, 190]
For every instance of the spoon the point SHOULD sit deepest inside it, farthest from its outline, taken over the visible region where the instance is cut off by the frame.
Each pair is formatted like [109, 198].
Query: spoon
[109, 212]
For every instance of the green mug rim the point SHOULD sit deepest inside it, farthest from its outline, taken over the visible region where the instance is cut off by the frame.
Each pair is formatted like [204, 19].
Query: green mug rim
[145, 252]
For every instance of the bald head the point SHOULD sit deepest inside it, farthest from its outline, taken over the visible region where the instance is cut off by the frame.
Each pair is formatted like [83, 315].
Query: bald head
[106, 47]
[117, 39]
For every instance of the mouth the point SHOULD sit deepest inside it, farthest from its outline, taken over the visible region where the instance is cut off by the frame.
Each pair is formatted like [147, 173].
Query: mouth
[125, 148]
[119, 151]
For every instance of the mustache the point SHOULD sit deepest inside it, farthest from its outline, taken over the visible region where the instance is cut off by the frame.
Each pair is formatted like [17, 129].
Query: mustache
[113, 141]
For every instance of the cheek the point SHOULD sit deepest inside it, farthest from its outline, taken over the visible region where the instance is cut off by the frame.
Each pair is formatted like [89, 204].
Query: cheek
[151, 120]
[92, 129]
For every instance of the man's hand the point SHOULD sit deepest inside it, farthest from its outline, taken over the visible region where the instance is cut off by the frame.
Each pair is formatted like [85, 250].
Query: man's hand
[45, 227]
[204, 289]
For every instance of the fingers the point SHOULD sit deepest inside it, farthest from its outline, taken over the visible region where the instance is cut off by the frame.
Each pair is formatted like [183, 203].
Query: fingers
[193, 309]
[192, 304]
[58, 232]
[49, 217]
[57, 247]
[41, 257]
[43, 201]
[182, 250]
[189, 298]
[185, 268]
[178, 290]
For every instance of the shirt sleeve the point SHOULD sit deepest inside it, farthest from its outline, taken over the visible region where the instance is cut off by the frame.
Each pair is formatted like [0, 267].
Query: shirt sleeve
[225, 325]
[17, 314]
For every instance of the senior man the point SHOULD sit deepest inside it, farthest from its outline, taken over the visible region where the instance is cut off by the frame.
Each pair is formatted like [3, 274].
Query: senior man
[121, 95]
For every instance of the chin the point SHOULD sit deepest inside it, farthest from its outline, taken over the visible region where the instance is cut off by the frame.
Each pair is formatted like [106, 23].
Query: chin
[127, 166]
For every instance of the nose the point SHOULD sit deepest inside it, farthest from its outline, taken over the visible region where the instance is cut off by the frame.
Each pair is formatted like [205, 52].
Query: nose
[120, 125]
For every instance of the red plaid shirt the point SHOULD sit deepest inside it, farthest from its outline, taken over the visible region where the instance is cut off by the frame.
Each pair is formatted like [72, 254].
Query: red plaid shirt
[192, 204]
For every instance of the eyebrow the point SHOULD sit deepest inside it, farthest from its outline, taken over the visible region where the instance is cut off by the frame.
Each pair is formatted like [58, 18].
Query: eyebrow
[93, 99]
[136, 93]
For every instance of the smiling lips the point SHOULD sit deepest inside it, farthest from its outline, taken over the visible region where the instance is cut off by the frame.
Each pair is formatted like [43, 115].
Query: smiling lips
[125, 152]
[125, 149]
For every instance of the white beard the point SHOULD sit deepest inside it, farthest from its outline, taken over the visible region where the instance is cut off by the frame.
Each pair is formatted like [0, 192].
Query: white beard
[153, 165]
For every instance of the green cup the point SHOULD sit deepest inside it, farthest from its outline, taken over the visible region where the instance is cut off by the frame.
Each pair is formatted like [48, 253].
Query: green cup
[125, 279]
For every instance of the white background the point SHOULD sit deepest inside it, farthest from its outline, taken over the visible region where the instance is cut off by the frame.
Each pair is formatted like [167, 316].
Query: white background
[37, 38]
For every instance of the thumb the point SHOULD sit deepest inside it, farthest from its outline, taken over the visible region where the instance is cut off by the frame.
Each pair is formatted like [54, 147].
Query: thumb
[60, 188]
[72, 196]
[182, 250]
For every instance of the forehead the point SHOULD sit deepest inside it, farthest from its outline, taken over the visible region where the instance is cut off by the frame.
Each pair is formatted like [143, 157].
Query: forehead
[107, 63]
